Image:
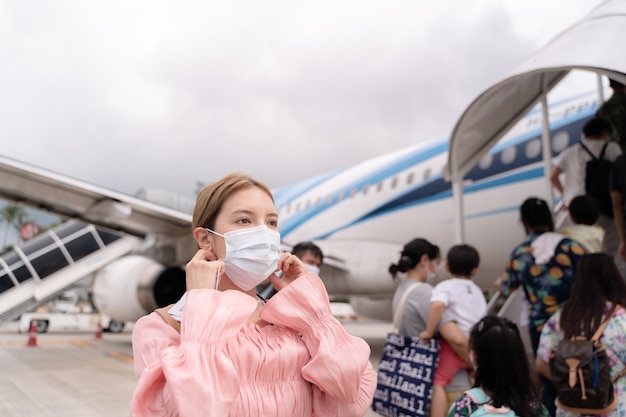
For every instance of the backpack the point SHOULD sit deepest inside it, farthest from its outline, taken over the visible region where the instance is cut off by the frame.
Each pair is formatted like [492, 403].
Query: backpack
[597, 178]
[478, 397]
[581, 374]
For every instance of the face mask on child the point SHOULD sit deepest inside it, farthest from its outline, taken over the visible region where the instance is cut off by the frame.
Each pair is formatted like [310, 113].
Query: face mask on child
[312, 268]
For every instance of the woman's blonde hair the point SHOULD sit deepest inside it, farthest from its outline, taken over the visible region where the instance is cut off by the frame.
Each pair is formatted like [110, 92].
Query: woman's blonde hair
[212, 197]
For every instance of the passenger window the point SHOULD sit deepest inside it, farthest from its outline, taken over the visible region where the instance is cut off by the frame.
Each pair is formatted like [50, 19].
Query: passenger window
[394, 182]
[560, 141]
[379, 187]
[366, 187]
[427, 173]
[410, 178]
[533, 148]
[485, 161]
[508, 155]
[352, 192]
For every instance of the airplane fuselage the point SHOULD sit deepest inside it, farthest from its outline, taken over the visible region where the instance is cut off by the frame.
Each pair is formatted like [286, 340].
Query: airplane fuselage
[391, 199]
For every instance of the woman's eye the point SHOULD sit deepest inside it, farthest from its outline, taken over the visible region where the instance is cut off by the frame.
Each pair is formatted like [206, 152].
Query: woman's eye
[244, 221]
[273, 223]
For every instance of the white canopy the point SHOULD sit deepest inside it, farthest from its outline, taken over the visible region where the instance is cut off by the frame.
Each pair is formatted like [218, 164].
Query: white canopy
[595, 44]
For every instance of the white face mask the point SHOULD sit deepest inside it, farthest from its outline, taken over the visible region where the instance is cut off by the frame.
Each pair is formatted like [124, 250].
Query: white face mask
[431, 276]
[251, 255]
[312, 268]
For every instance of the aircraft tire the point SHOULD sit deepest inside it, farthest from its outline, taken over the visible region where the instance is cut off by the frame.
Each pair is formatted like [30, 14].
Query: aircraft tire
[41, 325]
[115, 326]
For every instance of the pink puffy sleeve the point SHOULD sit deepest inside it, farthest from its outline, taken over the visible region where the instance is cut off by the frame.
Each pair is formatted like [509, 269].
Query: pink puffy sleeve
[189, 373]
[340, 370]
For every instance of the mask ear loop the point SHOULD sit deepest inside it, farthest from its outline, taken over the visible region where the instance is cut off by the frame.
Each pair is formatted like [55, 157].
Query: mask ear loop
[218, 274]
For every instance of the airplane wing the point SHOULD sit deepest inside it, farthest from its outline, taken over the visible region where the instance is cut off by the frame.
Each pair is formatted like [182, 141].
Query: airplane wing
[72, 198]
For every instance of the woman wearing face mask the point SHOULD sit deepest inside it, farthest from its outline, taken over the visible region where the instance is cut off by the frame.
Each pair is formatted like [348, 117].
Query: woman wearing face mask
[223, 351]
[419, 260]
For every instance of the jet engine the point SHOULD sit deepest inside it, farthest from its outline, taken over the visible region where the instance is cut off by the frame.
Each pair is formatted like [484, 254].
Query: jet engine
[135, 285]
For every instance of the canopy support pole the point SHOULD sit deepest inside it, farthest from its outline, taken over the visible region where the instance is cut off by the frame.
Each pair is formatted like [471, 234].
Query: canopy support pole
[600, 89]
[457, 202]
[547, 149]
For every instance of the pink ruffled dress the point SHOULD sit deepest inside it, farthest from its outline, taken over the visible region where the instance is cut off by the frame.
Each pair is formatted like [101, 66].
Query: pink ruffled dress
[304, 364]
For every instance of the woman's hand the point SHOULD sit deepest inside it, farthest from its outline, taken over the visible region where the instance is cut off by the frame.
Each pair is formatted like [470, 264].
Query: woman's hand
[426, 336]
[202, 272]
[292, 268]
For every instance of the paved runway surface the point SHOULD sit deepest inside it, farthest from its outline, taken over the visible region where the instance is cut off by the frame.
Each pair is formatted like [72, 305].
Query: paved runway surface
[78, 375]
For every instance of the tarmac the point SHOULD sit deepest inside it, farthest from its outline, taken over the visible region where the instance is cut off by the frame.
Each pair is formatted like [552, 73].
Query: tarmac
[74, 374]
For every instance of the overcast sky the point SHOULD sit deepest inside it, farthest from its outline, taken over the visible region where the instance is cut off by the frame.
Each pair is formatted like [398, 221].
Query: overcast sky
[162, 94]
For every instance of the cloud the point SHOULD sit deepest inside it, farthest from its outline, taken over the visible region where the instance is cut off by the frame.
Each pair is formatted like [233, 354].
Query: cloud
[164, 94]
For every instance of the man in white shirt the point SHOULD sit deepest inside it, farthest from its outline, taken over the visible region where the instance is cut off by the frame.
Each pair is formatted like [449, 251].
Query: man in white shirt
[573, 161]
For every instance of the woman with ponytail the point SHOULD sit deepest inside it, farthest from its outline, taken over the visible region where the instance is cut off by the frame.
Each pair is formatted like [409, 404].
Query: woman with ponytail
[418, 262]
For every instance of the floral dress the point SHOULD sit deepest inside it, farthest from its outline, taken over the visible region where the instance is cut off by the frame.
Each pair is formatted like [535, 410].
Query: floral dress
[547, 286]
[614, 340]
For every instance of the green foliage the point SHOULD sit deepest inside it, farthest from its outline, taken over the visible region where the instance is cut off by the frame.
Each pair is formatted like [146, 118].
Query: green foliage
[12, 215]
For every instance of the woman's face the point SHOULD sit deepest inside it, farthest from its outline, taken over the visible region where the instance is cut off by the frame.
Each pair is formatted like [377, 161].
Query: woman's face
[430, 265]
[433, 265]
[246, 208]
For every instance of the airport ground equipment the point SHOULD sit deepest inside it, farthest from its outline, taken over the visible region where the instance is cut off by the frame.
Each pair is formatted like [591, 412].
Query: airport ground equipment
[40, 269]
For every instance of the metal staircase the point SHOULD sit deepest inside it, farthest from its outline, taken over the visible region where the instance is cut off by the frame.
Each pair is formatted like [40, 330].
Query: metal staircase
[41, 268]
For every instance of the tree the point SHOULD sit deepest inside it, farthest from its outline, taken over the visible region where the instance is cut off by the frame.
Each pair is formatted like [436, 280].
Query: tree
[14, 215]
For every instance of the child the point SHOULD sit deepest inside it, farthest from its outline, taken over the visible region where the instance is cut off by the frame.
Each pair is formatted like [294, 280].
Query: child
[503, 380]
[584, 211]
[465, 301]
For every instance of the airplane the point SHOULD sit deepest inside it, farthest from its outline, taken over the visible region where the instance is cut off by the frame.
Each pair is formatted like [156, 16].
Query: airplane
[360, 216]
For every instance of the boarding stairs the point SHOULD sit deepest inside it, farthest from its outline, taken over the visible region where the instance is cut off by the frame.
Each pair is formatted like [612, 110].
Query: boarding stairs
[41, 268]
[515, 308]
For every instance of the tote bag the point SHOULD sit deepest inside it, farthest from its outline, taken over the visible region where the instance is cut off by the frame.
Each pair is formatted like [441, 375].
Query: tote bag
[406, 371]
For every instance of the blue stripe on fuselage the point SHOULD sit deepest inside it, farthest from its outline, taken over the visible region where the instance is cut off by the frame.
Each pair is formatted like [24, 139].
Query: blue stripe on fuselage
[409, 200]
[373, 177]
[286, 194]
[436, 188]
